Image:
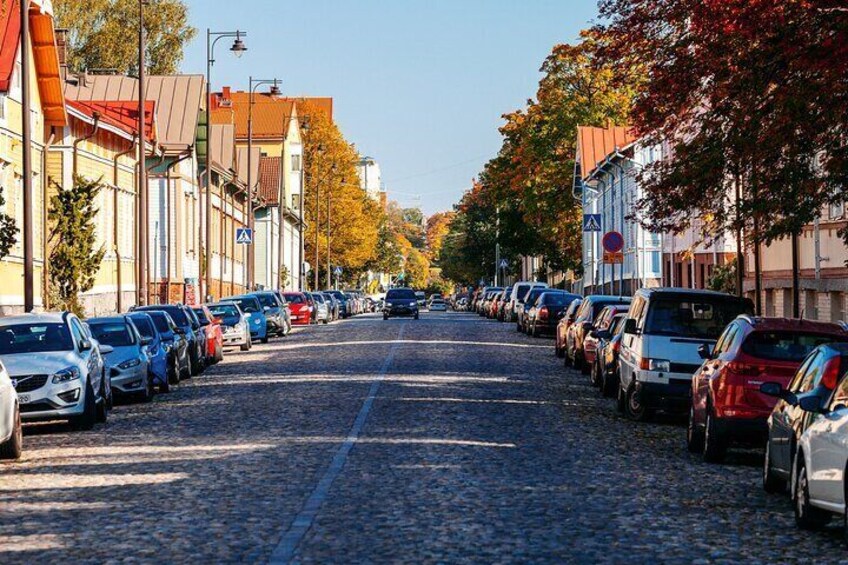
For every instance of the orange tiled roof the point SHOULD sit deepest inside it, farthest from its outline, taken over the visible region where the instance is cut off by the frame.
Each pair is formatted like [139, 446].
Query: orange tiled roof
[121, 114]
[269, 180]
[271, 116]
[594, 144]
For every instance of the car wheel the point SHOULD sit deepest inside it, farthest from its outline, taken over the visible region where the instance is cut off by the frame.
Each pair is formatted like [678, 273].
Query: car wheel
[385, 316]
[634, 408]
[608, 382]
[415, 316]
[595, 375]
[219, 352]
[694, 435]
[245, 347]
[265, 339]
[88, 418]
[715, 442]
[194, 366]
[620, 399]
[807, 516]
[326, 321]
[165, 387]
[103, 405]
[771, 483]
[584, 366]
[518, 327]
[12, 447]
[558, 350]
[174, 372]
[149, 389]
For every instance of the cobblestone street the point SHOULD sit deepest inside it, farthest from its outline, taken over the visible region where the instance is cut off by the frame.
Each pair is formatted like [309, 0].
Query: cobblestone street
[446, 439]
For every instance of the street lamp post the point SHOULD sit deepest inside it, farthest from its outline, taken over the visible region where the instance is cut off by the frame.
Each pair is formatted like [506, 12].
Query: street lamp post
[237, 48]
[274, 91]
[26, 153]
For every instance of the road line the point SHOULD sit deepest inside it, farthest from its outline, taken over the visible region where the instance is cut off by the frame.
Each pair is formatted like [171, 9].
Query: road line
[285, 550]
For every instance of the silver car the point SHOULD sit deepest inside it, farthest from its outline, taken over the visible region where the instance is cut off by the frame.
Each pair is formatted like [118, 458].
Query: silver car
[233, 324]
[55, 367]
[128, 362]
[11, 434]
[322, 308]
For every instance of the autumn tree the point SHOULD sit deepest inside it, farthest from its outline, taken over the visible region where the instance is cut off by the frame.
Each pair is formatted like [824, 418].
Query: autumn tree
[102, 34]
[437, 228]
[416, 270]
[332, 191]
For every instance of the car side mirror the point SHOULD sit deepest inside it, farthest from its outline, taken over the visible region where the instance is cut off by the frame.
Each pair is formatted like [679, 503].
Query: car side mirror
[812, 403]
[705, 352]
[145, 340]
[85, 345]
[104, 349]
[180, 331]
[630, 326]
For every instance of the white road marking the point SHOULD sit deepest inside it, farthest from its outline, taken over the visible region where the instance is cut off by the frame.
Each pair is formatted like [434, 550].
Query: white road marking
[285, 550]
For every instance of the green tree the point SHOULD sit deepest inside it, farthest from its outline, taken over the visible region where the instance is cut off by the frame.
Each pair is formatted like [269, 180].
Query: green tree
[74, 256]
[8, 230]
[102, 34]
[416, 270]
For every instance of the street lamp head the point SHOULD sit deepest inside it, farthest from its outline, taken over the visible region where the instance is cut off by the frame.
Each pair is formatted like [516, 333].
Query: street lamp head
[238, 47]
[274, 90]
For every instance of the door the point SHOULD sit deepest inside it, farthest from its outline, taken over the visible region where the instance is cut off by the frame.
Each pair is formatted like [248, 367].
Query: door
[827, 447]
[782, 432]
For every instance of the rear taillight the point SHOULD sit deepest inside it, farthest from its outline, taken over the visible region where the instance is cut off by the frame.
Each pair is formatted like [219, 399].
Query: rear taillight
[830, 374]
[543, 313]
[616, 345]
[745, 369]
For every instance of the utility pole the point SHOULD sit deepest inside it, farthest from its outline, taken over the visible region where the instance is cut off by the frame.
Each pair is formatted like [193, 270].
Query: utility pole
[497, 243]
[328, 236]
[26, 122]
[143, 246]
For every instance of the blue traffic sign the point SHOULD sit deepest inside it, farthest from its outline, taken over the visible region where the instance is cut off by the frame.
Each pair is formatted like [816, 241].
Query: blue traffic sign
[244, 236]
[337, 271]
[591, 222]
[613, 242]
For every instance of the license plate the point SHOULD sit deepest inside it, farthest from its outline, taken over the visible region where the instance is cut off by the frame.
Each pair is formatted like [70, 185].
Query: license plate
[23, 398]
[294, 317]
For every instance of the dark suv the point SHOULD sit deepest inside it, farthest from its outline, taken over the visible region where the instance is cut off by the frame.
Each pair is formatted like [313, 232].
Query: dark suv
[400, 302]
[186, 320]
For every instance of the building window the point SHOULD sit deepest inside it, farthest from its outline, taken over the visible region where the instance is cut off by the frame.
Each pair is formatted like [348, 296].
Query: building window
[836, 211]
[296, 163]
[655, 262]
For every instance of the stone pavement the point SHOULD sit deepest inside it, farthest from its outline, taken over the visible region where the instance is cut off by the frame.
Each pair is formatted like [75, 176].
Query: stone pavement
[447, 439]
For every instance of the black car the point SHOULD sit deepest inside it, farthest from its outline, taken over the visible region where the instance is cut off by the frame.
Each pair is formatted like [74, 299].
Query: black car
[544, 316]
[174, 342]
[605, 369]
[400, 302]
[816, 379]
[529, 300]
[187, 321]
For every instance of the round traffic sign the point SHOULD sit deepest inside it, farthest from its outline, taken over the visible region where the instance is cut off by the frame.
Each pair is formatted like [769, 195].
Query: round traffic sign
[613, 241]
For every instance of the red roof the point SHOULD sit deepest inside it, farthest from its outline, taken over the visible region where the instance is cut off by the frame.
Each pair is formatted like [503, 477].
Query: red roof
[269, 180]
[594, 144]
[10, 33]
[121, 114]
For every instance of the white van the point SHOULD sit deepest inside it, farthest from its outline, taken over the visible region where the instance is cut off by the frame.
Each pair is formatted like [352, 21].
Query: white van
[519, 291]
[659, 350]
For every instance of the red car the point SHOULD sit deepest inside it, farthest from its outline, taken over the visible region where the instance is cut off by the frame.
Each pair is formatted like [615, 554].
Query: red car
[301, 311]
[727, 406]
[214, 333]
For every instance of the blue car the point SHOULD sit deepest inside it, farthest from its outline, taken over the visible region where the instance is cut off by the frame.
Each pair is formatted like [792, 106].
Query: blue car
[252, 308]
[155, 348]
[189, 326]
[175, 344]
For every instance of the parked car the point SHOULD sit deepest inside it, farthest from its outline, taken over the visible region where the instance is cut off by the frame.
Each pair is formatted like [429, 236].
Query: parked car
[519, 291]
[562, 327]
[156, 349]
[301, 313]
[190, 326]
[659, 350]
[128, 362]
[233, 324]
[584, 322]
[547, 310]
[818, 376]
[175, 344]
[526, 303]
[591, 340]
[727, 406]
[274, 311]
[609, 347]
[344, 308]
[11, 429]
[820, 481]
[57, 371]
[400, 302]
[333, 305]
[503, 301]
[438, 305]
[214, 335]
[313, 311]
[253, 311]
[422, 298]
[322, 309]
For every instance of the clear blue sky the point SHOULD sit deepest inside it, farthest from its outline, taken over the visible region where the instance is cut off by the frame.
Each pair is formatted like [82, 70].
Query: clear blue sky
[420, 85]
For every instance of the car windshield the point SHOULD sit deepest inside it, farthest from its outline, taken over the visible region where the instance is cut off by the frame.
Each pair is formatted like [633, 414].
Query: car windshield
[201, 315]
[176, 314]
[116, 334]
[521, 291]
[598, 306]
[295, 298]
[144, 327]
[267, 300]
[784, 346]
[557, 298]
[696, 317]
[400, 294]
[224, 310]
[161, 322]
[247, 304]
[533, 295]
[35, 338]
[318, 298]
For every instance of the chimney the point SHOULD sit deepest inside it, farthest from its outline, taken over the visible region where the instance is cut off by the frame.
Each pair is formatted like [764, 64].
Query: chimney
[62, 49]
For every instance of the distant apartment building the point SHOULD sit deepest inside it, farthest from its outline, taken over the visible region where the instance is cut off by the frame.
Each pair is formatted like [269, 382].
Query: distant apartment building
[370, 177]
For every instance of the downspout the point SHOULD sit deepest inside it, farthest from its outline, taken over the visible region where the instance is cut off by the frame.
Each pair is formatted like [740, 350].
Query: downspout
[115, 234]
[168, 169]
[94, 127]
[45, 203]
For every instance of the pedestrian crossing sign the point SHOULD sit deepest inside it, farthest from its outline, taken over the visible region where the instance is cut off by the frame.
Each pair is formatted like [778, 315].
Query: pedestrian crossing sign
[591, 222]
[504, 264]
[244, 236]
[338, 271]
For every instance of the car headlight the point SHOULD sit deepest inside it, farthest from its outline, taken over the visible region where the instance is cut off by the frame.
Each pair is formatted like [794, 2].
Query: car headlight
[129, 363]
[663, 365]
[65, 375]
[413, 303]
[239, 327]
[389, 304]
